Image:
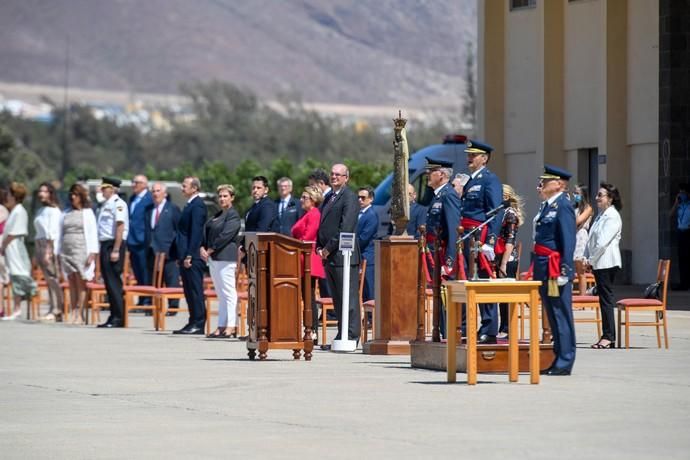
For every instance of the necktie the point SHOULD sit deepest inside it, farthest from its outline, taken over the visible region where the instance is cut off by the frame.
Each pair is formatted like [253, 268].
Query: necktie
[281, 209]
[158, 215]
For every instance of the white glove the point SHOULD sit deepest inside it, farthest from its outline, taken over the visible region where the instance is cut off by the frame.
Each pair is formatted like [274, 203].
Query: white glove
[488, 252]
[562, 280]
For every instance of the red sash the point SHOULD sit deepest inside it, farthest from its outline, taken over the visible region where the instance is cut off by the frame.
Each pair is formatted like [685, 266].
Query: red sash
[554, 259]
[470, 224]
[458, 266]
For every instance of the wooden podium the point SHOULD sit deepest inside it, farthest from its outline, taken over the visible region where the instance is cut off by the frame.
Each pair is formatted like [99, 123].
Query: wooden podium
[275, 315]
[396, 298]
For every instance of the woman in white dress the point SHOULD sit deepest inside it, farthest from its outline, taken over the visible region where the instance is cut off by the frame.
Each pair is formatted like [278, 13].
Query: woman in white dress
[583, 217]
[47, 225]
[14, 249]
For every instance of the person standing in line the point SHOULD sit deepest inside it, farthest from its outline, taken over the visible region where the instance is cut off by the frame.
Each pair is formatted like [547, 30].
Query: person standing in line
[262, 215]
[113, 229]
[681, 211]
[307, 229]
[288, 207]
[367, 226]
[219, 249]
[506, 248]
[140, 205]
[162, 220]
[14, 249]
[339, 215]
[187, 251]
[417, 213]
[320, 179]
[583, 218]
[604, 255]
[481, 194]
[78, 248]
[47, 240]
[554, 246]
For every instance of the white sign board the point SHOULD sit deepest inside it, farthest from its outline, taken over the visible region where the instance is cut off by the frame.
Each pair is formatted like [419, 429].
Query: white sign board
[347, 242]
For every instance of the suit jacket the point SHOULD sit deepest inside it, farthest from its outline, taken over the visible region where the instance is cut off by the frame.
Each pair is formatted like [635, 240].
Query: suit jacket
[481, 194]
[163, 235]
[291, 214]
[221, 234]
[137, 220]
[338, 215]
[190, 230]
[603, 249]
[367, 226]
[261, 216]
[417, 218]
[555, 229]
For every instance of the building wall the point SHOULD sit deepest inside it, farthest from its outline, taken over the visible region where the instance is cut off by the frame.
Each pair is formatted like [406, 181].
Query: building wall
[608, 77]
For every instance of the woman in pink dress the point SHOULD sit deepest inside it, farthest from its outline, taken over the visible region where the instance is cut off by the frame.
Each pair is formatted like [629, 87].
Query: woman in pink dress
[305, 229]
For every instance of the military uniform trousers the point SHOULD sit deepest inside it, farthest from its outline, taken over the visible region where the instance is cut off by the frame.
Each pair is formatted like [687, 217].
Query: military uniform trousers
[560, 313]
[112, 278]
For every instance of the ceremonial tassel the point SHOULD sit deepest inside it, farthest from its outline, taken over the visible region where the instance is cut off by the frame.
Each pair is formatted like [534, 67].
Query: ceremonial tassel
[553, 288]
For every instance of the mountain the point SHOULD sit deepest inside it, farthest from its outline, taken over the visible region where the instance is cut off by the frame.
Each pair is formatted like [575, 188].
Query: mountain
[374, 52]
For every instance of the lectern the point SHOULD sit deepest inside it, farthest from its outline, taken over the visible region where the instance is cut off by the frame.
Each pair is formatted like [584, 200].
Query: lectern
[275, 314]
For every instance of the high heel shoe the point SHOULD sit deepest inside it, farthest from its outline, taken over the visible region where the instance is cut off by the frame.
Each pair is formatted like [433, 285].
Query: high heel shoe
[600, 346]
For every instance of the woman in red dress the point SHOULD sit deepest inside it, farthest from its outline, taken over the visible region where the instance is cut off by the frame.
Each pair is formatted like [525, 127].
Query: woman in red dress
[305, 229]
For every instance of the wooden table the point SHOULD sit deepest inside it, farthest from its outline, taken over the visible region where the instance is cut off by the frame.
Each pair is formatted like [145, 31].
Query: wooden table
[474, 293]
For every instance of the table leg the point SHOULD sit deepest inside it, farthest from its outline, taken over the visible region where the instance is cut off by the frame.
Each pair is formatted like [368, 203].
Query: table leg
[513, 357]
[452, 340]
[534, 356]
[471, 325]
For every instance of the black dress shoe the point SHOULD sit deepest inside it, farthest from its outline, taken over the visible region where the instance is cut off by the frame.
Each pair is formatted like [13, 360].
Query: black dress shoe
[193, 330]
[558, 371]
[545, 371]
[111, 324]
[183, 330]
[170, 313]
[487, 339]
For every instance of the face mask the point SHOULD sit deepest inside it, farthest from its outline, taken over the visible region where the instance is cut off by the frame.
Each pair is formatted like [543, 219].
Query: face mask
[100, 199]
[577, 198]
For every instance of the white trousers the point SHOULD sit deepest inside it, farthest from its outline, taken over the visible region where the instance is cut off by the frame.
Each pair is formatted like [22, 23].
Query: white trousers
[223, 275]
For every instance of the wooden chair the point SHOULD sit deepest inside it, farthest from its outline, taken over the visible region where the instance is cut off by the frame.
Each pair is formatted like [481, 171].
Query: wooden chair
[658, 307]
[326, 305]
[139, 290]
[583, 302]
[164, 294]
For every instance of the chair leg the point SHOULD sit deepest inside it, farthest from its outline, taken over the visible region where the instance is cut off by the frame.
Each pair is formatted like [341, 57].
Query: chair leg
[627, 328]
[522, 321]
[619, 327]
[663, 320]
[658, 329]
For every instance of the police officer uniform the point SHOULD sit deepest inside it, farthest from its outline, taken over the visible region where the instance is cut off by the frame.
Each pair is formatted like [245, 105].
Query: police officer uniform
[114, 210]
[554, 246]
[482, 193]
[443, 216]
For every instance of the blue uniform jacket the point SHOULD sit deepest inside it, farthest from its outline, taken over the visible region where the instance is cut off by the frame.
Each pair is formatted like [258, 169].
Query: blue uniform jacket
[480, 195]
[444, 212]
[137, 220]
[190, 230]
[367, 226]
[417, 218]
[555, 229]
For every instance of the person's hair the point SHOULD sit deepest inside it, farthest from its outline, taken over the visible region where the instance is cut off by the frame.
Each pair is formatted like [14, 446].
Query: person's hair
[516, 202]
[83, 195]
[229, 188]
[369, 190]
[319, 175]
[18, 191]
[314, 193]
[194, 182]
[284, 179]
[584, 201]
[448, 172]
[615, 195]
[260, 179]
[53, 201]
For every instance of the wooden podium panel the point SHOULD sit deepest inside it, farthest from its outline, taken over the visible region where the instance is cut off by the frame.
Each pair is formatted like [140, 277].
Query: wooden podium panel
[275, 315]
[396, 296]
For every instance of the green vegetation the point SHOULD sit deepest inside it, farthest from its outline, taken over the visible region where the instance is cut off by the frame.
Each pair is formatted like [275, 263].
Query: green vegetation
[230, 137]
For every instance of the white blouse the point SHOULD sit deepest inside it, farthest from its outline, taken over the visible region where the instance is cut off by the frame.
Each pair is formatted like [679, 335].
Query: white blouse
[604, 237]
[47, 223]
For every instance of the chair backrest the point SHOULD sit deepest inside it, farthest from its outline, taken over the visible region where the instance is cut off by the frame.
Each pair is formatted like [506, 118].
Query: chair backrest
[158, 269]
[581, 277]
[362, 272]
[662, 277]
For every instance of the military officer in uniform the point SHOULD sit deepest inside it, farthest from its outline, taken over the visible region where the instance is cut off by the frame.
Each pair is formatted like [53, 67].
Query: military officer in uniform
[554, 245]
[443, 216]
[113, 227]
[482, 193]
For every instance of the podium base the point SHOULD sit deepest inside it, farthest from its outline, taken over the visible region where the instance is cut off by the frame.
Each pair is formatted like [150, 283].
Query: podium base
[344, 346]
[387, 347]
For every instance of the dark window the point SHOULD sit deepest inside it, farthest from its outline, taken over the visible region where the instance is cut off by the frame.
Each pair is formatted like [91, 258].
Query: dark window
[522, 4]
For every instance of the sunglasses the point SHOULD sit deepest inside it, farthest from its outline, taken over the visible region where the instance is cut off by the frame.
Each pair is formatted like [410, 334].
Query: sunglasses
[362, 197]
[602, 195]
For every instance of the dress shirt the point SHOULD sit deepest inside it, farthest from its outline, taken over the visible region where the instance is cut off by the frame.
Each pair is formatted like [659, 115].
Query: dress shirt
[136, 201]
[47, 223]
[157, 210]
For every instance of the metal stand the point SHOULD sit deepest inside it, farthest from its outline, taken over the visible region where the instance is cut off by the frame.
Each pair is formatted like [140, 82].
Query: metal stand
[345, 344]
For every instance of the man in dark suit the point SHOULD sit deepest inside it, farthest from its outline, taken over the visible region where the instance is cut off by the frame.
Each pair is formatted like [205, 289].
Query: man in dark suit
[367, 226]
[140, 204]
[554, 245]
[417, 213]
[289, 209]
[262, 215]
[320, 179]
[190, 232]
[339, 215]
[162, 219]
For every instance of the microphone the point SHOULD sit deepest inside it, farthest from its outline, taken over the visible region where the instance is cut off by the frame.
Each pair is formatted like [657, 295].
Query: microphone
[497, 209]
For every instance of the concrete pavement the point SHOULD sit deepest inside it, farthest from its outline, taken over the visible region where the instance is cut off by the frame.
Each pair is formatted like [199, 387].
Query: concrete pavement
[80, 392]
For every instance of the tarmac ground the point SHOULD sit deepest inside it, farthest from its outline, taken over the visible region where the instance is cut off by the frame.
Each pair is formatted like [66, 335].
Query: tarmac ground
[80, 392]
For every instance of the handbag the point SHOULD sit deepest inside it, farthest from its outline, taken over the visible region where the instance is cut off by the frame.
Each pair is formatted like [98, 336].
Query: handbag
[652, 291]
